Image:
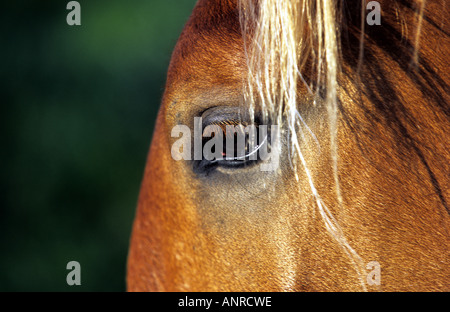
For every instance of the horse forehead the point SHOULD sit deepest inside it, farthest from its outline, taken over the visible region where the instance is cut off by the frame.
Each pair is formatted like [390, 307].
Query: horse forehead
[210, 50]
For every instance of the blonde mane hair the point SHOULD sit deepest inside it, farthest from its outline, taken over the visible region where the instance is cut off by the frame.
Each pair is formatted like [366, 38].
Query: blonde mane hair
[279, 37]
[282, 39]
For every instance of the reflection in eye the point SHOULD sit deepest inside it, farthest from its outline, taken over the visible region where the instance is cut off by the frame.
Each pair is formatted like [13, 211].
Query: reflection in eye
[238, 142]
[230, 139]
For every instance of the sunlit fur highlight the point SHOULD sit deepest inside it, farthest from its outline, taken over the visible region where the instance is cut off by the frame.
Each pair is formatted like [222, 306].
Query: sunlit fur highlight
[279, 36]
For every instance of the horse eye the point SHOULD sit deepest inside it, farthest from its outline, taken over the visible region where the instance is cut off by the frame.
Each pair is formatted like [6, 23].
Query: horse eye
[229, 142]
[230, 145]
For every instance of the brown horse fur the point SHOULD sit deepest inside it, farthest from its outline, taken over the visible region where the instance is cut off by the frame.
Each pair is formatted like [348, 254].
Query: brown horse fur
[247, 230]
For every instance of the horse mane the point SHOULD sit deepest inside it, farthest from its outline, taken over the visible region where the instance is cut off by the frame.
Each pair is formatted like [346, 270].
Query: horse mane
[294, 52]
[287, 43]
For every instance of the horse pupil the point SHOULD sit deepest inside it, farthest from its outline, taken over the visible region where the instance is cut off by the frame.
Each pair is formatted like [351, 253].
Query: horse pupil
[239, 152]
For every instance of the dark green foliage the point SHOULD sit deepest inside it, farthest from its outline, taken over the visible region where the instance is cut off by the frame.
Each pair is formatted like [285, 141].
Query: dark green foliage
[76, 117]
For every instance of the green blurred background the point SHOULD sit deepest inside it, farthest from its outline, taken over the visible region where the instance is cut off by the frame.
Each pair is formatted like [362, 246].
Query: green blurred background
[78, 105]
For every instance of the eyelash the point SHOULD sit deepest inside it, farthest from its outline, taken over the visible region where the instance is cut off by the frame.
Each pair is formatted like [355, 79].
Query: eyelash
[238, 160]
